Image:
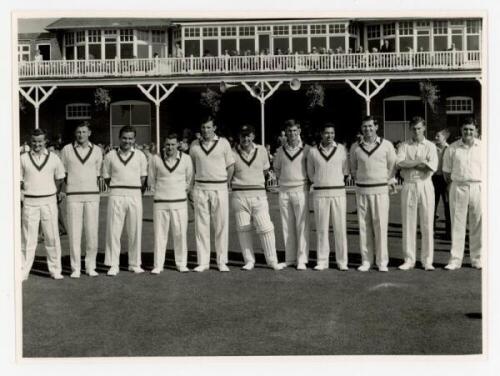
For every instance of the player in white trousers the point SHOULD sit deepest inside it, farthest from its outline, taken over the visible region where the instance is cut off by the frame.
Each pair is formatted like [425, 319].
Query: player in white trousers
[418, 160]
[462, 168]
[213, 167]
[327, 164]
[124, 171]
[291, 170]
[372, 166]
[83, 162]
[249, 199]
[170, 178]
[42, 175]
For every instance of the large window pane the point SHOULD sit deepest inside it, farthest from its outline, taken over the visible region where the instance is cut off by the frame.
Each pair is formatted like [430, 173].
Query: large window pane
[70, 53]
[299, 45]
[228, 45]
[423, 43]
[126, 50]
[373, 43]
[405, 43]
[158, 49]
[394, 111]
[80, 52]
[336, 42]
[318, 42]
[141, 114]
[120, 114]
[281, 44]
[110, 50]
[457, 40]
[414, 108]
[210, 47]
[142, 51]
[192, 48]
[247, 45]
[94, 51]
[473, 42]
[352, 44]
[440, 43]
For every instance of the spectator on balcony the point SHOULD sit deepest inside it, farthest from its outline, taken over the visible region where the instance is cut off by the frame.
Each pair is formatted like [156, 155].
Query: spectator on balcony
[374, 50]
[452, 47]
[178, 50]
[360, 50]
[38, 56]
[386, 47]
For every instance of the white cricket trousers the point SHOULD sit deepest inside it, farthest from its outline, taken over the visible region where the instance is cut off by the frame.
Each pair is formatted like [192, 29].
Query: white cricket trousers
[373, 218]
[254, 209]
[123, 209]
[163, 221]
[32, 216]
[465, 202]
[211, 205]
[324, 209]
[80, 216]
[418, 200]
[294, 210]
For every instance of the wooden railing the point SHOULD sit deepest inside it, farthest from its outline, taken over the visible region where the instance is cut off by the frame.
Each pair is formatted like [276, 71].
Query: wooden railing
[407, 61]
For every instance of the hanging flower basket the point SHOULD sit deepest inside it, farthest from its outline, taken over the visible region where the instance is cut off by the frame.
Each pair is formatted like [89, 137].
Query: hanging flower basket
[429, 94]
[316, 96]
[102, 99]
[210, 99]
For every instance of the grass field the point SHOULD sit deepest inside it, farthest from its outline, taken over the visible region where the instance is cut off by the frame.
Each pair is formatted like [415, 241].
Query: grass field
[261, 312]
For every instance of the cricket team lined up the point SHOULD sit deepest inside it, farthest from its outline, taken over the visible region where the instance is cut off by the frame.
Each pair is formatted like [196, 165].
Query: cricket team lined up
[204, 177]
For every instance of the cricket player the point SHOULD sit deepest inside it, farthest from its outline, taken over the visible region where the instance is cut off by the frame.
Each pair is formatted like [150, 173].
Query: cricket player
[372, 166]
[417, 158]
[327, 164]
[291, 170]
[82, 161]
[124, 171]
[42, 175]
[249, 199]
[440, 184]
[462, 168]
[213, 168]
[170, 178]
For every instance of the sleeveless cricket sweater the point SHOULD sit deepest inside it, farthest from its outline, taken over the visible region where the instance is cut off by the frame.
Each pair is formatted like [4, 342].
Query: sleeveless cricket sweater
[329, 170]
[82, 172]
[293, 169]
[248, 179]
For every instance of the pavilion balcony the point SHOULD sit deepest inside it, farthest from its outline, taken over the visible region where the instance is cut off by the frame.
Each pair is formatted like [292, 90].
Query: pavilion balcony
[261, 64]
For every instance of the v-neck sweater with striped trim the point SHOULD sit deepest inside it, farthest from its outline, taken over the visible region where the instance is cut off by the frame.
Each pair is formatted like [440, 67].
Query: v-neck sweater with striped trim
[327, 171]
[373, 168]
[125, 173]
[82, 172]
[211, 164]
[248, 179]
[39, 181]
[292, 169]
[170, 184]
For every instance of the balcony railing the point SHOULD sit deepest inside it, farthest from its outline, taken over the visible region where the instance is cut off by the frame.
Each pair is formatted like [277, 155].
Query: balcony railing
[406, 61]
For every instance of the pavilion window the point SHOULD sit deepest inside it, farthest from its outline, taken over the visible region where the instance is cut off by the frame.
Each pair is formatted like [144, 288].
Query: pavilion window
[473, 30]
[78, 111]
[126, 43]
[440, 30]
[192, 47]
[459, 105]
[281, 30]
[247, 31]
[406, 36]
[23, 52]
[247, 45]
[423, 40]
[373, 35]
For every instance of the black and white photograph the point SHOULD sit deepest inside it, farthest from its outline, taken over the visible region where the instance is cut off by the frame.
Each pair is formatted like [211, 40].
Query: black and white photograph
[251, 185]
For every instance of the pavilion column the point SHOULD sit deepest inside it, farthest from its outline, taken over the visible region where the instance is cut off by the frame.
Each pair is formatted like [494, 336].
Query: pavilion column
[368, 94]
[157, 93]
[262, 90]
[37, 100]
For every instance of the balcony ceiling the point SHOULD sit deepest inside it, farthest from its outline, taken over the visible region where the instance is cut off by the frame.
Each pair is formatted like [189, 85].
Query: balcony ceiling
[87, 23]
